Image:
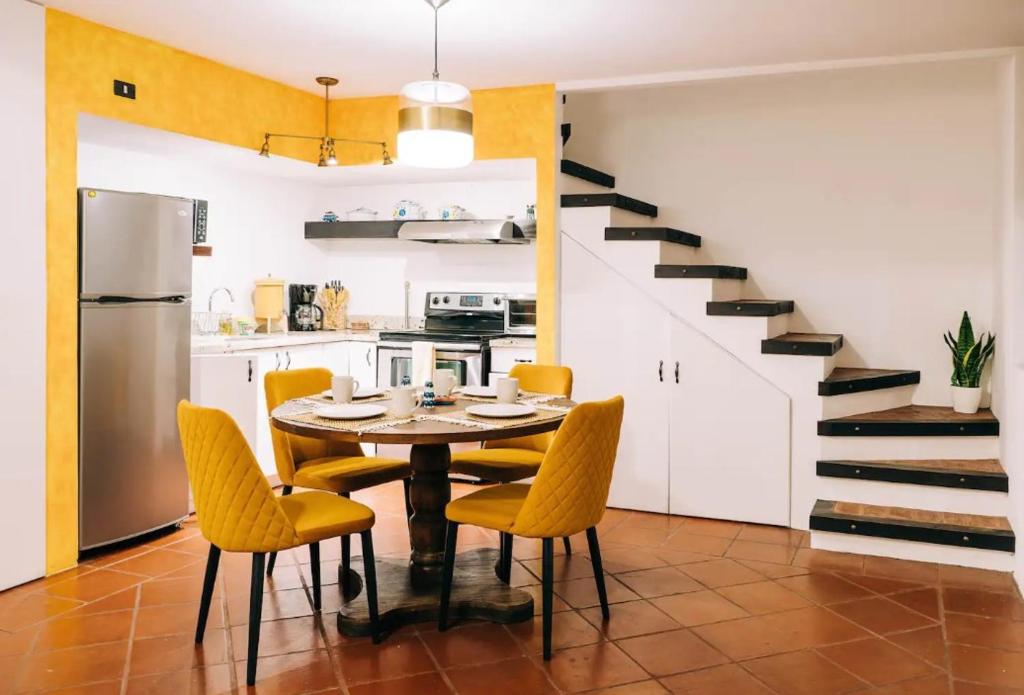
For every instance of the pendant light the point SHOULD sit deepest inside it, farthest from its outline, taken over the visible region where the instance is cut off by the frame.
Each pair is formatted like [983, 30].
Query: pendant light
[435, 119]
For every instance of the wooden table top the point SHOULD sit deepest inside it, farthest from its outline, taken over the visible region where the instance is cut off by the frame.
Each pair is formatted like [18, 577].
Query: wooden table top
[418, 432]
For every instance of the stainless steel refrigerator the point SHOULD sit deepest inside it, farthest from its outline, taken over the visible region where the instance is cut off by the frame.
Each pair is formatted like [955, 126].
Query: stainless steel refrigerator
[134, 335]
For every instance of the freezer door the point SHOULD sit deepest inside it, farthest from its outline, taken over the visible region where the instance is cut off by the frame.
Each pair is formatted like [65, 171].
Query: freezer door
[134, 244]
[134, 370]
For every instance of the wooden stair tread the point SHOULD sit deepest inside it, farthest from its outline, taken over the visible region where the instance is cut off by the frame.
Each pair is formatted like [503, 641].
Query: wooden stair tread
[589, 174]
[809, 344]
[943, 528]
[912, 420]
[674, 236]
[972, 474]
[751, 307]
[716, 272]
[615, 200]
[857, 379]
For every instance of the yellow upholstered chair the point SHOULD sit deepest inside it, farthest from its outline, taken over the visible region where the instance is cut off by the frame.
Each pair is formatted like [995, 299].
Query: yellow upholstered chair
[568, 496]
[238, 512]
[509, 460]
[338, 467]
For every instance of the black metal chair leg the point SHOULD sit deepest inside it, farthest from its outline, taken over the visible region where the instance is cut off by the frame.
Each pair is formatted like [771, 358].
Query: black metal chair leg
[568, 545]
[209, 580]
[346, 560]
[595, 559]
[255, 613]
[547, 575]
[285, 490]
[450, 536]
[506, 558]
[314, 569]
[370, 576]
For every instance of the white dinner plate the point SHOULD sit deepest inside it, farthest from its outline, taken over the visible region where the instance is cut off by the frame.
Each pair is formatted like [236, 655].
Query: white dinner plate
[479, 391]
[501, 410]
[361, 393]
[350, 411]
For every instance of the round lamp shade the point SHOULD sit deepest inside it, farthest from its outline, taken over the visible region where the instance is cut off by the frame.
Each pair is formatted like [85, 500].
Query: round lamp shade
[435, 125]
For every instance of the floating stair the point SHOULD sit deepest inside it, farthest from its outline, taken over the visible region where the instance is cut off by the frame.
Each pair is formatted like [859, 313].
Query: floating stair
[970, 474]
[942, 528]
[715, 272]
[589, 174]
[854, 380]
[615, 200]
[751, 307]
[673, 236]
[806, 344]
[912, 421]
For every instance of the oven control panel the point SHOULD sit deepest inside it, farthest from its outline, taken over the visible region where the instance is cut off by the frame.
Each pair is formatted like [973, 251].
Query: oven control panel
[489, 302]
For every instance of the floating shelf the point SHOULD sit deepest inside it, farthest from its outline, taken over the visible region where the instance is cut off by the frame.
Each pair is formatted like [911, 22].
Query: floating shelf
[374, 229]
[199, 250]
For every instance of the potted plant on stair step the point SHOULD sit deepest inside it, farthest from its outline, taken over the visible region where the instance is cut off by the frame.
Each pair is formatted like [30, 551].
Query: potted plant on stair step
[969, 359]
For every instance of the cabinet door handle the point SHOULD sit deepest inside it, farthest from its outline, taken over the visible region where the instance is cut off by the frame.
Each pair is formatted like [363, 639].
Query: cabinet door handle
[521, 360]
[277, 361]
[368, 358]
[288, 364]
[250, 371]
[677, 372]
[661, 370]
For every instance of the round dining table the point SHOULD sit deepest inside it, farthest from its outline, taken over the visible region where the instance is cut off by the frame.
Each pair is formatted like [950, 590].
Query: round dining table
[408, 591]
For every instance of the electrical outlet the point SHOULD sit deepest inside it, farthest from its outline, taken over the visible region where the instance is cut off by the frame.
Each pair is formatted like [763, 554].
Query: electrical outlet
[124, 89]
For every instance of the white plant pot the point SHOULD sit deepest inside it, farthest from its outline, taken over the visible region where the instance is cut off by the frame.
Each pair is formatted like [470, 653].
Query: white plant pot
[966, 399]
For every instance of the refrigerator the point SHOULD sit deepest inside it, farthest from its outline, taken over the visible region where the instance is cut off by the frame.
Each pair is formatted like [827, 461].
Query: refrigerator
[134, 340]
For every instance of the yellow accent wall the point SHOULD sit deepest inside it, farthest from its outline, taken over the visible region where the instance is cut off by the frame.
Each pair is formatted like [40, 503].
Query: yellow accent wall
[191, 95]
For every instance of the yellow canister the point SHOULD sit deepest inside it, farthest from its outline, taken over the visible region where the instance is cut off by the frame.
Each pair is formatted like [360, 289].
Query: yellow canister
[268, 300]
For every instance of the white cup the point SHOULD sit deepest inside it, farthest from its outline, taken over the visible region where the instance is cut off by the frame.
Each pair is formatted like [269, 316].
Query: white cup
[343, 387]
[444, 381]
[404, 401]
[507, 389]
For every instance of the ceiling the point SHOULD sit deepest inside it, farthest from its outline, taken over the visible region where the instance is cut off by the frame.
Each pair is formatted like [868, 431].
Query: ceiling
[375, 46]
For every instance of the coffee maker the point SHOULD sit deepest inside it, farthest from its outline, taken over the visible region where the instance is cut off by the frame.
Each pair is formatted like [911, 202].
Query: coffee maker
[303, 312]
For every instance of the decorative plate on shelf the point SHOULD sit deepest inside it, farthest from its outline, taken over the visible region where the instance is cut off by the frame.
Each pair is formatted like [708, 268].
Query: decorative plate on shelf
[501, 410]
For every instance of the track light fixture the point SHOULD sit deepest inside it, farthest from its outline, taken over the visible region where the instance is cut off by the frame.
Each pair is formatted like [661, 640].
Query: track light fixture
[328, 157]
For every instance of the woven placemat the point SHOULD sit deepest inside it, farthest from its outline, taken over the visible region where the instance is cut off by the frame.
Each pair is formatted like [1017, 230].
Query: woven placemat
[461, 417]
[358, 426]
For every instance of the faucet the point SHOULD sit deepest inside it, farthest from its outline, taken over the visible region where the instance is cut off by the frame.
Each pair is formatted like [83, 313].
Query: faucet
[209, 303]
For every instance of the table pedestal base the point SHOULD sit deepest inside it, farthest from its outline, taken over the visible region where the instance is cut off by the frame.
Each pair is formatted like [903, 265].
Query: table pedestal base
[476, 593]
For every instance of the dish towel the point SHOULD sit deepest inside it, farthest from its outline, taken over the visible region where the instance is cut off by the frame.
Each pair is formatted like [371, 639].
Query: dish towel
[422, 363]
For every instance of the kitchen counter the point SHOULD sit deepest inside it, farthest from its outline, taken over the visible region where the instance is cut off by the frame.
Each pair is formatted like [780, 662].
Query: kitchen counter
[221, 344]
[519, 341]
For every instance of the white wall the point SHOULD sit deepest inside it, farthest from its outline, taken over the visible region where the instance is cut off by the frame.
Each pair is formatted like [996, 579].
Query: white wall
[868, 196]
[376, 270]
[254, 223]
[23, 293]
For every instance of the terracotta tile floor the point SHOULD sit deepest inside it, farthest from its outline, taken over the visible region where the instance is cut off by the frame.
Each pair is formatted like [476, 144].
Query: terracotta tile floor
[699, 607]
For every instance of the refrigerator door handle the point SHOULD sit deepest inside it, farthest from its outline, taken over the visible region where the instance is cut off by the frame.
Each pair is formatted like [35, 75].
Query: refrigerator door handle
[114, 299]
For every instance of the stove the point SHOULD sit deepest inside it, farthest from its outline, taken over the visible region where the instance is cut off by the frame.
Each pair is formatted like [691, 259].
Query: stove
[460, 324]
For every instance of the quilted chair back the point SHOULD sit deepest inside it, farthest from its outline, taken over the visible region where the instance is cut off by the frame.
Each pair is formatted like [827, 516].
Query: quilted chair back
[235, 504]
[571, 489]
[291, 450]
[542, 378]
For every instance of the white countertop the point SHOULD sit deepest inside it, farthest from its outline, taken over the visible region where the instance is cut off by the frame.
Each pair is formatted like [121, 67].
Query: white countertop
[221, 344]
[524, 341]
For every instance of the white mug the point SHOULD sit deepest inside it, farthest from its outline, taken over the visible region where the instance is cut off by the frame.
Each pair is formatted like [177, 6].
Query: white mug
[444, 381]
[343, 387]
[507, 390]
[404, 401]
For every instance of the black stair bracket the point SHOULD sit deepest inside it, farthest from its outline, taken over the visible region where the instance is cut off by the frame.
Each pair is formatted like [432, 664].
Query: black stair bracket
[751, 307]
[981, 474]
[614, 200]
[803, 344]
[589, 174]
[703, 272]
[856, 380]
[674, 236]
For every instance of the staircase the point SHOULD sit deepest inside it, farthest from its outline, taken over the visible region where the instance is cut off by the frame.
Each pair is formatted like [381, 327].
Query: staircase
[872, 472]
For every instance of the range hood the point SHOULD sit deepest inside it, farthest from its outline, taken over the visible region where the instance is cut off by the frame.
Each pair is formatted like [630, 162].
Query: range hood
[464, 232]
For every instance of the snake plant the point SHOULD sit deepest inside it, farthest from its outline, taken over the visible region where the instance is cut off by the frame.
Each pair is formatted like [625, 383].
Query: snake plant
[969, 357]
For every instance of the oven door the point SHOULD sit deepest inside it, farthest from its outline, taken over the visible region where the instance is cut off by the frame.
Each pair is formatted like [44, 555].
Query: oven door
[394, 361]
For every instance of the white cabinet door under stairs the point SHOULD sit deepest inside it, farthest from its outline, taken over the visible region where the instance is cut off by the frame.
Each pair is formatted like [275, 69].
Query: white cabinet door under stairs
[715, 444]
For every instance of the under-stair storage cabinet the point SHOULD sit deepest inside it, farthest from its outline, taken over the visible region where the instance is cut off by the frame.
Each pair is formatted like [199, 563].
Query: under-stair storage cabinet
[702, 434]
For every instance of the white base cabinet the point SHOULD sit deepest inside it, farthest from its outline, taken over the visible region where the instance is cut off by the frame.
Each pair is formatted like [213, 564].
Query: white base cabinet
[234, 383]
[712, 441]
